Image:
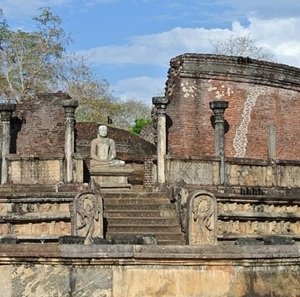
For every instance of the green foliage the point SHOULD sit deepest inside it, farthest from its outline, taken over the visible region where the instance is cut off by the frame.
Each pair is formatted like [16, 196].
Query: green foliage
[139, 124]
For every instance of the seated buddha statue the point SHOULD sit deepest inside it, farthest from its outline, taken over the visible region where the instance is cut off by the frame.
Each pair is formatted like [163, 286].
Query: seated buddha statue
[103, 151]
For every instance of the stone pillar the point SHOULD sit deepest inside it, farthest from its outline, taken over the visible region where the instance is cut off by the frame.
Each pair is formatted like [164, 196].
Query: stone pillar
[218, 108]
[70, 106]
[6, 110]
[272, 142]
[161, 104]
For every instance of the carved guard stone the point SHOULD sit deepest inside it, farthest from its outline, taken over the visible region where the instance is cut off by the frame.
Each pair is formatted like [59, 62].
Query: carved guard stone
[87, 218]
[202, 219]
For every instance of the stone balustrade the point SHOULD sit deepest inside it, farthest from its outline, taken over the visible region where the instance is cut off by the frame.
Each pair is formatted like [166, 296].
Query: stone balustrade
[238, 172]
[42, 169]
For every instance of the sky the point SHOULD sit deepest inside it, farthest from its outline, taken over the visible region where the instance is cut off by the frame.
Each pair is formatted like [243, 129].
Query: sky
[130, 42]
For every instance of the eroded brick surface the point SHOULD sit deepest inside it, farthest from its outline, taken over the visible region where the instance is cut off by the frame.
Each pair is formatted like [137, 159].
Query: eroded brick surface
[260, 94]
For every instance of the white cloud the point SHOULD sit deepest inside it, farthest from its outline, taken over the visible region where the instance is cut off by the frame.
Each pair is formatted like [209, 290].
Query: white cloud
[279, 36]
[142, 88]
[156, 49]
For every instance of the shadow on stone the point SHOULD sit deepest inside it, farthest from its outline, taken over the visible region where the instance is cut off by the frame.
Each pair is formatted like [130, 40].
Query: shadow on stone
[248, 241]
[8, 239]
[80, 240]
[270, 240]
[134, 239]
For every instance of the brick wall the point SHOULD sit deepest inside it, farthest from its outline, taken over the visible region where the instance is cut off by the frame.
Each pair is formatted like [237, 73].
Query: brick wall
[38, 126]
[260, 94]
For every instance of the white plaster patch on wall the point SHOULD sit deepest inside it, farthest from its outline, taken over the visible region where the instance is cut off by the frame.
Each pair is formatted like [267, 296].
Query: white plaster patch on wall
[240, 140]
[229, 91]
[211, 89]
[220, 94]
[189, 90]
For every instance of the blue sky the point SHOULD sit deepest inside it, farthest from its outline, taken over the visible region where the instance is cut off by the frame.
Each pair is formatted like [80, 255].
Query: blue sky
[130, 42]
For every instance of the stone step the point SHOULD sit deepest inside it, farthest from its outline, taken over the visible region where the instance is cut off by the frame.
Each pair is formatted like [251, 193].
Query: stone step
[172, 242]
[136, 201]
[39, 188]
[269, 198]
[35, 197]
[255, 236]
[34, 217]
[138, 213]
[142, 221]
[160, 236]
[143, 229]
[142, 207]
[254, 216]
[133, 194]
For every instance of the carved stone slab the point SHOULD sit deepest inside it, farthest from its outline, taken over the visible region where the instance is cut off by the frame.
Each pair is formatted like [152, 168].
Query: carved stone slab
[202, 219]
[87, 218]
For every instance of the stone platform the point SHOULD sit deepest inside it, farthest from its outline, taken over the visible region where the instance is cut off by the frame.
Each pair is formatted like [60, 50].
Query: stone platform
[112, 177]
[151, 271]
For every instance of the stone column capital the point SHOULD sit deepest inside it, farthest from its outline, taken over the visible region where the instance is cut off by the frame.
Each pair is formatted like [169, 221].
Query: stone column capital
[160, 102]
[6, 110]
[70, 106]
[218, 106]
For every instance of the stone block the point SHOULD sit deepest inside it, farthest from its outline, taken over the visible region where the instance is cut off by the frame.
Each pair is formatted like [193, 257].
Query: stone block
[35, 170]
[40, 280]
[173, 282]
[112, 177]
[288, 176]
[191, 172]
[6, 283]
[92, 282]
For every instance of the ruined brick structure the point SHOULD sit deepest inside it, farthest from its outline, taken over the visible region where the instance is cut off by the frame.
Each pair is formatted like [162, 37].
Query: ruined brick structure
[263, 112]
[38, 125]
[38, 129]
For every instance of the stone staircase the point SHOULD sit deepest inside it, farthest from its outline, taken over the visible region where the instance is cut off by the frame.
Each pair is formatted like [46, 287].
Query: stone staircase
[142, 213]
[35, 213]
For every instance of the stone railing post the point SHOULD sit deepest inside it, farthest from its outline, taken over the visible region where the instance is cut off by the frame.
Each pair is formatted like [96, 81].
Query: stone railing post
[69, 106]
[218, 108]
[6, 110]
[161, 104]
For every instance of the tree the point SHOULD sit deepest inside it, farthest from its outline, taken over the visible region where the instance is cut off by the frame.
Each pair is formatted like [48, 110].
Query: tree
[130, 110]
[241, 46]
[38, 62]
[122, 114]
[28, 60]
